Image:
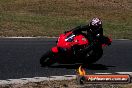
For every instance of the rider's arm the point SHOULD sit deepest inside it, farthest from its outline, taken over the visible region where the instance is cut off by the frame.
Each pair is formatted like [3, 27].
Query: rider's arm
[101, 31]
[79, 29]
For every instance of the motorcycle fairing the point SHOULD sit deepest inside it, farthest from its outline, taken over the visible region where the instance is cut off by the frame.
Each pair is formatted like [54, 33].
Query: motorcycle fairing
[69, 39]
[54, 49]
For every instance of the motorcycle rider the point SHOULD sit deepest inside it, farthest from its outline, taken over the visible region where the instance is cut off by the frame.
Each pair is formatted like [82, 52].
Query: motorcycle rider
[94, 29]
[94, 32]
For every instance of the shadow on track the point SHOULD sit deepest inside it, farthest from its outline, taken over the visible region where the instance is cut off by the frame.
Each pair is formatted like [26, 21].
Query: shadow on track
[90, 67]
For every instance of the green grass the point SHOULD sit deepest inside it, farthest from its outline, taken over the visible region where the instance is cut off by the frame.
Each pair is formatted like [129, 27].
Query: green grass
[23, 25]
[52, 17]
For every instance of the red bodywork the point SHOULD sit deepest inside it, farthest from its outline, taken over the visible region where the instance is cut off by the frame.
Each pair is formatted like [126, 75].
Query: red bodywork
[68, 40]
[74, 48]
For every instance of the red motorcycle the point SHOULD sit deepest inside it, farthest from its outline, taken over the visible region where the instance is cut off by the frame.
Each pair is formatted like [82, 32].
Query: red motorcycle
[72, 48]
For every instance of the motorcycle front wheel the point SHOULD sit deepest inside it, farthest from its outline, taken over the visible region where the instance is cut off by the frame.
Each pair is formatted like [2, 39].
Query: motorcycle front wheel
[46, 59]
[95, 55]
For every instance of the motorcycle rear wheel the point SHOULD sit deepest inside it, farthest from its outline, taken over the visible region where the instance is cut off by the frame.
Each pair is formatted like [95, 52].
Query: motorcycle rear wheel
[46, 59]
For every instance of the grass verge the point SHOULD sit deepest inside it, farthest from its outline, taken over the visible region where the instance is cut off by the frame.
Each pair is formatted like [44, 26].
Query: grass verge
[52, 17]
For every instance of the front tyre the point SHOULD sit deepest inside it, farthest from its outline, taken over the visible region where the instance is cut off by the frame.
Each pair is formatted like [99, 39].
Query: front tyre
[46, 59]
[95, 55]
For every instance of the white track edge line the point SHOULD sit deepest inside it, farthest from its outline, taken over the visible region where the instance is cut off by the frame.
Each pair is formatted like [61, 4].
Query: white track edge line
[48, 37]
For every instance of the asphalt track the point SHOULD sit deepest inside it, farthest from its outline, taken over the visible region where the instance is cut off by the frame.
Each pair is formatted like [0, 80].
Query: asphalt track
[19, 58]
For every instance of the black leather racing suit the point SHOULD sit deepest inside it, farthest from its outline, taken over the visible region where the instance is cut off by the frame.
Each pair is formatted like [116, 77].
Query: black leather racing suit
[92, 34]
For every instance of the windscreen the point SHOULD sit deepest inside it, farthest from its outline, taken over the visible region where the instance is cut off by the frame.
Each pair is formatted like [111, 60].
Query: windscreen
[70, 38]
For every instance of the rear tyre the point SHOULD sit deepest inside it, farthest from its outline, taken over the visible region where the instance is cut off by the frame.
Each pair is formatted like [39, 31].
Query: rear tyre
[46, 59]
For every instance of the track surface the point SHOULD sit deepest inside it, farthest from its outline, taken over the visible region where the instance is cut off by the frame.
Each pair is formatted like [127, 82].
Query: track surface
[19, 58]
